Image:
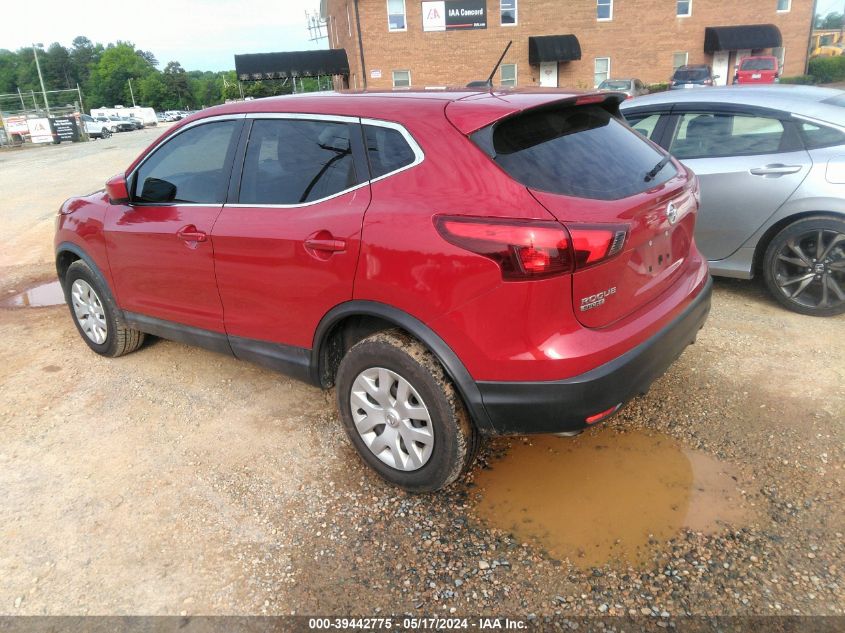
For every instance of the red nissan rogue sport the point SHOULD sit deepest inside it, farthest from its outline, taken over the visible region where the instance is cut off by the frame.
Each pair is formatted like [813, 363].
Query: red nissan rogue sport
[455, 264]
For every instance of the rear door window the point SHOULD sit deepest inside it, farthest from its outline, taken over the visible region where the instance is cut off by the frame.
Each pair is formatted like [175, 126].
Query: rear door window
[711, 134]
[291, 162]
[581, 151]
[645, 124]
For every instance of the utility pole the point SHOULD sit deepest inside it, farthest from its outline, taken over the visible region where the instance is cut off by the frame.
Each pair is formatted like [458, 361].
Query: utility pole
[81, 110]
[131, 93]
[23, 107]
[40, 78]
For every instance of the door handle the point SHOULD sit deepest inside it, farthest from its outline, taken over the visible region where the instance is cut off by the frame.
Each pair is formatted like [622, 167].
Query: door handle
[191, 234]
[327, 245]
[776, 170]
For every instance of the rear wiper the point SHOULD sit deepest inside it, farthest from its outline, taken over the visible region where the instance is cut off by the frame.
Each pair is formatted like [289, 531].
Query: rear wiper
[656, 169]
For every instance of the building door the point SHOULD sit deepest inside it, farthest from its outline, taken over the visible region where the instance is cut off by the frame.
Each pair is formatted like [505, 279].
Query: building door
[721, 62]
[548, 74]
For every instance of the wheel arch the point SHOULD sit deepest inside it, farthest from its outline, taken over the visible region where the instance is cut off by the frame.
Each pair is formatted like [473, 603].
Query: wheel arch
[770, 233]
[352, 321]
[67, 253]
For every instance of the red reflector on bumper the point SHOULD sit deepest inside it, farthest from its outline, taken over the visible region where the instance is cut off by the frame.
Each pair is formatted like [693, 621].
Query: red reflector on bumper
[601, 416]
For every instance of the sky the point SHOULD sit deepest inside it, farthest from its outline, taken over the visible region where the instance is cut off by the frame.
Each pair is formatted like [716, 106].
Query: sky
[200, 34]
[823, 7]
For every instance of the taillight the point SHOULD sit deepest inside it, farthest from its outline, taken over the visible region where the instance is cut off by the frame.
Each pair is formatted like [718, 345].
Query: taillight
[522, 249]
[595, 243]
[527, 249]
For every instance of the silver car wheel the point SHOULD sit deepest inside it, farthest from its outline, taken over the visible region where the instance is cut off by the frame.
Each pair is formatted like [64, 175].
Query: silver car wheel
[810, 269]
[89, 311]
[392, 419]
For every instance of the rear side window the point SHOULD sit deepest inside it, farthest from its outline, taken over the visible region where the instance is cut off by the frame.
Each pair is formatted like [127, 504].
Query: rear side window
[704, 135]
[294, 162]
[757, 64]
[387, 150]
[691, 74]
[816, 136]
[582, 151]
[190, 167]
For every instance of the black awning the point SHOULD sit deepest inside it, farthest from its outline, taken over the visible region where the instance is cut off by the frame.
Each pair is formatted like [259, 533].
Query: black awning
[553, 48]
[732, 38]
[291, 64]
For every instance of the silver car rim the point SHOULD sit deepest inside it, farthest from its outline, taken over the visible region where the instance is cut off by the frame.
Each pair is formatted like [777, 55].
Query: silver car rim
[810, 269]
[392, 419]
[89, 311]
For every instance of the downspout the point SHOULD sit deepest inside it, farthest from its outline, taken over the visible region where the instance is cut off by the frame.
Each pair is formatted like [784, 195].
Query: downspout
[360, 45]
[810, 38]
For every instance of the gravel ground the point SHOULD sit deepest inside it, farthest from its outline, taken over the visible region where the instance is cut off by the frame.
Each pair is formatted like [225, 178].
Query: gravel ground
[179, 481]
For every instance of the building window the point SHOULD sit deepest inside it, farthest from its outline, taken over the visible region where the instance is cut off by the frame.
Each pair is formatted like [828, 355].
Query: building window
[604, 9]
[509, 75]
[507, 10]
[602, 70]
[401, 78]
[679, 59]
[784, 6]
[684, 8]
[396, 15]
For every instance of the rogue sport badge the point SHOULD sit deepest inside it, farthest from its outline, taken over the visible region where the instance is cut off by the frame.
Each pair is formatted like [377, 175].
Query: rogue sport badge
[672, 213]
[594, 301]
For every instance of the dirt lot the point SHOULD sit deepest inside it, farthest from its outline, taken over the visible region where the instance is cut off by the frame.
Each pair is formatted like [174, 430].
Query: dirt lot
[176, 480]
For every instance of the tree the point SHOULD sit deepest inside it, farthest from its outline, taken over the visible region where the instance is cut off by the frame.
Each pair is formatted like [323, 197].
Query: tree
[109, 81]
[832, 20]
[57, 68]
[152, 92]
[176, 80]
[84, 56]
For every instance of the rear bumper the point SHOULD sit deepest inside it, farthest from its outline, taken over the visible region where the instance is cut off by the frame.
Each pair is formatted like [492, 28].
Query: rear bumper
[517, 408]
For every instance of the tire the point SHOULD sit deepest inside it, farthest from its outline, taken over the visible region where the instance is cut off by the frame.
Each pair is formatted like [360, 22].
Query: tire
[101, 329]
[105, 133]
[372, 372]
[804, 266]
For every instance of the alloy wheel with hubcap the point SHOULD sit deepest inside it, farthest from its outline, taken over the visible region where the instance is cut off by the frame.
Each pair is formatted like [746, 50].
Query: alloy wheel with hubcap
[392, 419]
[809, 269]
[89, 312]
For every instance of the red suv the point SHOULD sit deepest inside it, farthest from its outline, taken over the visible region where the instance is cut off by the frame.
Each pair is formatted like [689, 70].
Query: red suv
[455, 264]
[761, 69]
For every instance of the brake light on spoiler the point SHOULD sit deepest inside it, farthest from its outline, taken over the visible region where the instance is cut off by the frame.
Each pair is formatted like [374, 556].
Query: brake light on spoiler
[533, 249]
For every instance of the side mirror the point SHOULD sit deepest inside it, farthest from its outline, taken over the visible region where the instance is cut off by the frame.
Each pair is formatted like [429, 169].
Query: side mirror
[116, 189]
[157, 190]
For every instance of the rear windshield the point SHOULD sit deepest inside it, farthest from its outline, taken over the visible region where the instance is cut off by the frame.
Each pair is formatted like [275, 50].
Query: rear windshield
[757, 64]
[691, 74]
[579, 151]
[615, 85]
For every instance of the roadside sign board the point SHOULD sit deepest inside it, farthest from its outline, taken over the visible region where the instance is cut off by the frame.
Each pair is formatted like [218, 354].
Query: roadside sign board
[40, 130]
[454, 15]
[16, 125]
[66, 129]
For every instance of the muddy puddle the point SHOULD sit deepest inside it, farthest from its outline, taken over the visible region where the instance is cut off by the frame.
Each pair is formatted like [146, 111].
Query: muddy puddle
[49, 294]
[607, 497]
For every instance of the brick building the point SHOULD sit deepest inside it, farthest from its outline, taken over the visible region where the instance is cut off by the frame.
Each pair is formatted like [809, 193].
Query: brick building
[571, 43]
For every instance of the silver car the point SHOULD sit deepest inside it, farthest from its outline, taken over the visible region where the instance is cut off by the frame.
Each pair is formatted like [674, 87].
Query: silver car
[771, 162]
[631, 87]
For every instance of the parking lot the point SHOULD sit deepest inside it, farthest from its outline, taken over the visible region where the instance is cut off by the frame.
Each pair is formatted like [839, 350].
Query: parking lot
[176, 480]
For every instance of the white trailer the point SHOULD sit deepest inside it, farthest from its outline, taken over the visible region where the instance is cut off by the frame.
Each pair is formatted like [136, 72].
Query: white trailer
[147, 115]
